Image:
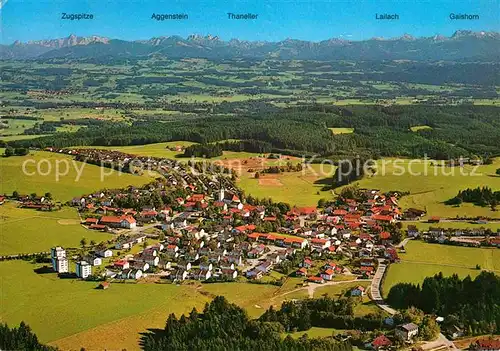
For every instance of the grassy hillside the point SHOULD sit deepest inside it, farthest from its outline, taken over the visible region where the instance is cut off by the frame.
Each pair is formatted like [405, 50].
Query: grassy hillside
[81, 178]
[423, 260]
[430, 191]
[26, 231]
[57, 308]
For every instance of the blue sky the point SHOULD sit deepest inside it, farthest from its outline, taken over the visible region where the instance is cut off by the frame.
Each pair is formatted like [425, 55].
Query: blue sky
[307, 20]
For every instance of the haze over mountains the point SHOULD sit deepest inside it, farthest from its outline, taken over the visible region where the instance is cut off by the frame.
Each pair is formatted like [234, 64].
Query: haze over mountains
[461, 46]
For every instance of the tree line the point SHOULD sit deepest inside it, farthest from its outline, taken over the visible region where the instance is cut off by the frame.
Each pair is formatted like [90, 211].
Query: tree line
[225, 326]
[21, 338]
[473, 304]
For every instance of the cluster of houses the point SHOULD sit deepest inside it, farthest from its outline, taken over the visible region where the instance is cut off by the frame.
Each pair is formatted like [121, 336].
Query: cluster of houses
[464, 237]
[246, 238]
[34, 202]
[354, 229]
[404, 332]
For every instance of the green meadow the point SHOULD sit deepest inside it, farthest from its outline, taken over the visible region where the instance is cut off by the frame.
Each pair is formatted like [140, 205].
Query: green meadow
[57, 308]
[466, 257]
[342, 130]
[164, 150]
[408, 272]
[38, 173]
[423, 260]
[28, 231]
[296, 188]
[431, 185]
[417, 128]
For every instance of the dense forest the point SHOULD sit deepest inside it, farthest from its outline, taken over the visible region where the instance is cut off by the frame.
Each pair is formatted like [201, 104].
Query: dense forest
[473, 304]
[453, 131]
[225, 326]
[480, 196]
[20, 338]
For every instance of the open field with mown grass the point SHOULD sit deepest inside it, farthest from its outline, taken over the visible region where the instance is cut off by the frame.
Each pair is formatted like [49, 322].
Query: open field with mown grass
[28, 231]
[408, 272]
[57, 308]
[431, 185]
[423, 260]
[342, 130]
[315, 332]
[162, 150]
[19, 137]
[417, 128]
[80, 178]
[466, 257]
[302, 188]
[252, 297]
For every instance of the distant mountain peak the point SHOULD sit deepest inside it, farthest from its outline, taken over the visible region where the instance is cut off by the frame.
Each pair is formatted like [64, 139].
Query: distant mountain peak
[209, 46]
[406, 36]
[70, 40]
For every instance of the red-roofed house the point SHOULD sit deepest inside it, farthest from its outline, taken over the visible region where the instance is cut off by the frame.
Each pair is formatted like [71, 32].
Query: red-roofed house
[296, 242]
[197, 198]
[317, 280]
[301, 272]
[118, 222]
[90, 221]
[380, 342]
[122, 264]
[320, 243]
[383, 218]
[385, 236]
[339, 212]
[328, 274]
[489, 344]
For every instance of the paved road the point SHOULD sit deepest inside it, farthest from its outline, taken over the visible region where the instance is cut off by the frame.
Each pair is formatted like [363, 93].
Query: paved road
[375, 287]
[403, 243]
[440, 342]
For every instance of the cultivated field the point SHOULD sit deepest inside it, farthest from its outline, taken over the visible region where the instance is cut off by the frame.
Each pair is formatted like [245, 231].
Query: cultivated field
[57, 308]
[342, 130]
[81, 178]
[28, 231]
[423, 260]
[302, 188]
[466, 257]
[408, 272]
[429, 192]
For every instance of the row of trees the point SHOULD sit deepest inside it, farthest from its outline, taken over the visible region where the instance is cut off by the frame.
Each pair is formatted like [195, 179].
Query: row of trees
[480, 196]
[18, 151]
[20, 338]
[475, 304]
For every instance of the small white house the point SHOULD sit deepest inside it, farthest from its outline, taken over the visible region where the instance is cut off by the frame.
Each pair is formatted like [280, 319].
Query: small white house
[94, 261]
[206, 266]
[83, 269]
[105, 253]
[131, 274]
[407, 331]
[358, 291]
